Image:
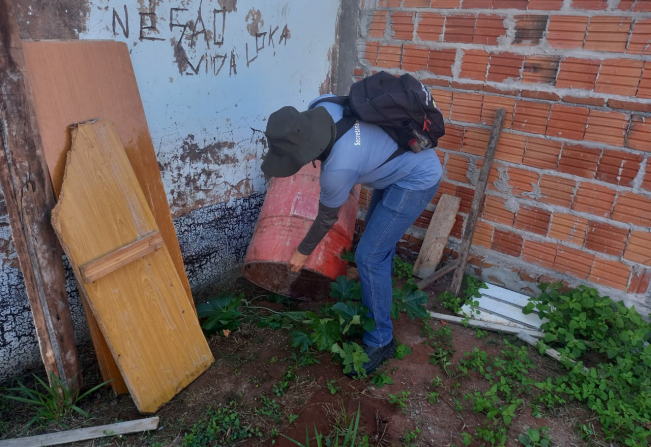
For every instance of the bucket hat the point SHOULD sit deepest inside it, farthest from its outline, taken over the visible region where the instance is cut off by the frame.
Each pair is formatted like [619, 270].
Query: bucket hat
[295, 139]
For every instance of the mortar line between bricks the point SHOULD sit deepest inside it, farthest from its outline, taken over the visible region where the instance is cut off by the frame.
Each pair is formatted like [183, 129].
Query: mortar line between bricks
[513, 12]
[542, 88]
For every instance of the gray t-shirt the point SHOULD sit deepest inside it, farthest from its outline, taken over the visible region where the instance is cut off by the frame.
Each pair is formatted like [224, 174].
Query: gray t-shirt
[358, 157]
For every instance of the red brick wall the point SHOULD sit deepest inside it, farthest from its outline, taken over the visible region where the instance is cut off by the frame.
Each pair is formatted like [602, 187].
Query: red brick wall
[570, 190]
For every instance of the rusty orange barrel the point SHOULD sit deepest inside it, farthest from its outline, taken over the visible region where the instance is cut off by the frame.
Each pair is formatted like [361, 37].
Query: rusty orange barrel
[288, 211]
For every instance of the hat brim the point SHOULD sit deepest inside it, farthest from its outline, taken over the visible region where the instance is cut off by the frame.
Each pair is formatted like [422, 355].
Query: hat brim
[323, 131]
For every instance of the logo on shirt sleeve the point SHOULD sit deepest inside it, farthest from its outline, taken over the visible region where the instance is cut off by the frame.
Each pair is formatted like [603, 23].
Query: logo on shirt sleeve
[358, 134]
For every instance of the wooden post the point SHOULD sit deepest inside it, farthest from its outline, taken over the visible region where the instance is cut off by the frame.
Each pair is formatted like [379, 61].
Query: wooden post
[28, 193]
[477, 199]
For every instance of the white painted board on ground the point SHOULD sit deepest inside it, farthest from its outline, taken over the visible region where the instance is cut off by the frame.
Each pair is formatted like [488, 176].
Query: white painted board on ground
[502, 306]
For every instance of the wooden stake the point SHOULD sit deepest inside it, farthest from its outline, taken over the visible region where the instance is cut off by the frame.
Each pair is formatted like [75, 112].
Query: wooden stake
[437, 275]
[84, 434]
[477, 199]
[28, 193]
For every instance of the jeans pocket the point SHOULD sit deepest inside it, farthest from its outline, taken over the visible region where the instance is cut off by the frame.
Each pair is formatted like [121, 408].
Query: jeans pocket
[395, 197]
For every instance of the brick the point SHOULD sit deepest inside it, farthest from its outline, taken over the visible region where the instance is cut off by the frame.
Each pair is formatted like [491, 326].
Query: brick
[456, 168]
[626, 5]
[542, 153]
[633, 208]
[619, 77]
[579, 160]
[480, 4]
[608, 34]
[618, 167]
[529, 29]
[453, 138]
[533, 220]
[556, 190]
[443, 100]
[475, 141]
[545, 5]
[510, 4]
[640, 41]
[495, 211]
[371, 51]
[646, 181]
[589, 4]
[430, 26]
[567, 122]
[490, 106]
[402, 25]
[545, 96]
[389, 56]
[639, 282]
[414, 58]
[457, 228]
[510, 147]
[567, 32]
[466, 107]
[507, 242]
[500, 90]
[524, 276]
[606, 238]
[568, 228]
[460, 85]
[424, 219]
[642, 6]
[586, 101]
[540, 69]
[459, 28]
[435, 82]
[441, 61]
[444, 188]
[594, 199]
[416, 4]
[578, 73]
[638, 248]
[608, 273]
[445, 4]
[629, 105]
[531, 116]
[466, 195]
[644, 89]
[573, 262]
[483, 234]
[488, 29]
[378, 24]
[540, 253]
[606, 127]
[474, 64]
[522, 181]
[505, 66]
[639, 135]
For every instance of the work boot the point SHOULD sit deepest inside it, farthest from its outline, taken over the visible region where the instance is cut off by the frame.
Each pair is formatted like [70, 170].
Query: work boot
[376, 357]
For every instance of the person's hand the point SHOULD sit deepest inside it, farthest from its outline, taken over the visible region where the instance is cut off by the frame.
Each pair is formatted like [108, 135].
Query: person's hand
[298, 261]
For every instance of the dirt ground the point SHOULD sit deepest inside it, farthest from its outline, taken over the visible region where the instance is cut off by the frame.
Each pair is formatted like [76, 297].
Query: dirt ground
[252, 360]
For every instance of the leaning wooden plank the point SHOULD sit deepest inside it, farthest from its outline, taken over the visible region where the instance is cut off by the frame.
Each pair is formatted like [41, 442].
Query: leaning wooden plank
[141, 308]
[84, 434]
[437, 235]
[485, 325]
[440, 273]
[110, 262]
[28, 196]
[477, 200]
[76, 81]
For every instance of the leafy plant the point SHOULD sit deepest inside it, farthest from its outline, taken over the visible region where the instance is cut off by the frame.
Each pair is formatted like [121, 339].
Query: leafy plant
[333, 386]
[402, 351]
[471, 291]
[350, 436]
[220, 427]
[535, 438]
[379, 380]
[409, 299]
[270, 408]
[352, 356]
[433, 397]
[411, 437]
[400, 400]
[402, 269]
[220, 314]
[53, 402]
[348, 256]
[292, 418]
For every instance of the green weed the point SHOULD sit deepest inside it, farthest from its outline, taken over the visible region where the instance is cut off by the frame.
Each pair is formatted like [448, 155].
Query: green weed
[400, 400]
[379, 380]
[535, 437]
[220, 427]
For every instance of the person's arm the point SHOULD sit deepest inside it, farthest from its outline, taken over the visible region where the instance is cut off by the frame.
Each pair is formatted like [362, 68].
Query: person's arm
[324, 221]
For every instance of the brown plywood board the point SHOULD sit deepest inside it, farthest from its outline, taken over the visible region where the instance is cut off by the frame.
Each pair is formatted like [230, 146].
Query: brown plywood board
[76, 81]
[141, 308]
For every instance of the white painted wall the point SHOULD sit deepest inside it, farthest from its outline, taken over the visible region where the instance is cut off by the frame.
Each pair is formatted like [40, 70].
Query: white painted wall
[213, 105]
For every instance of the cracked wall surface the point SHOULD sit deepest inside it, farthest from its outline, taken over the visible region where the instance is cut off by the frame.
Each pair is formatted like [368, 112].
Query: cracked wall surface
[209, 73]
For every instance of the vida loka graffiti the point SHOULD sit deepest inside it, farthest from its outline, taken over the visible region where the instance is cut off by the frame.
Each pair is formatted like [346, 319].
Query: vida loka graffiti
[210, 72]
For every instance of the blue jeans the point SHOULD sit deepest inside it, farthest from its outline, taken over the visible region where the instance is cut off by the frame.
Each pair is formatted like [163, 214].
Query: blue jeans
[390, 214]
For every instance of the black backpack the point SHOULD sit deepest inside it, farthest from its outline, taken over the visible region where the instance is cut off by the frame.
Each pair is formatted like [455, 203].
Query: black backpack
[402, 106]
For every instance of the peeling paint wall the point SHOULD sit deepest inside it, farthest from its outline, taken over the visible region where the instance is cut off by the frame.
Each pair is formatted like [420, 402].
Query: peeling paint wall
[209, 73]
